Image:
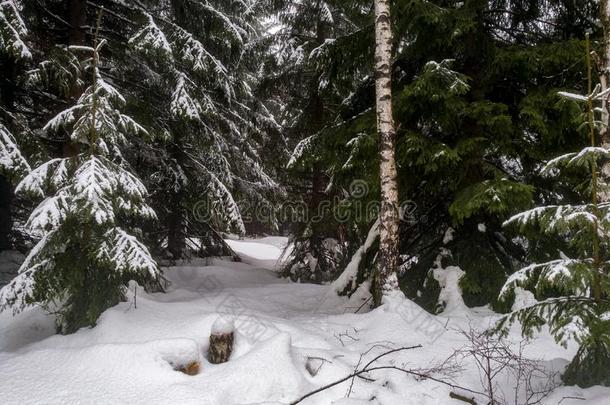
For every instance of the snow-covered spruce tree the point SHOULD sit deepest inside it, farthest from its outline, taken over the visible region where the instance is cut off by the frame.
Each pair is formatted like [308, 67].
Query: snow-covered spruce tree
[12, 51]
[313, 71]
[13, 31]
[86, 255]
[573, 292]
[14, 54]
[214, 126]
[12, 163]
[13, 167]
[474, 120]
[236, 131]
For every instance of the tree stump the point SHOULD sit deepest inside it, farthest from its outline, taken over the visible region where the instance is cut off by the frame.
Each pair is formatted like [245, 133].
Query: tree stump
[221, 341]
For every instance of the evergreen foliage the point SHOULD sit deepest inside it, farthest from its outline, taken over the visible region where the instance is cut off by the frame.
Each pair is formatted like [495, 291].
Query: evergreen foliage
[196, 139]
[12, 162]
[15, 53]
[477, 111]
[190, 85]
[214, 126]
[13, 31]
[216, 111]
[85, 256]
[318, 59]
[572, 290]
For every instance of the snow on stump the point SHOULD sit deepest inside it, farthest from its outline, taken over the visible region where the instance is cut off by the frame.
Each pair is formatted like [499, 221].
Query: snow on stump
[221, 341]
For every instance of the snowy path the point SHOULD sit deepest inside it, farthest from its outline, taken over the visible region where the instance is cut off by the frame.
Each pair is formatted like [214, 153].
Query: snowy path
[126, 357]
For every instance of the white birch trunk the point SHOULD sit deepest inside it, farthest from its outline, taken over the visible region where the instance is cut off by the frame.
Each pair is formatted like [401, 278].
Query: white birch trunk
[385, 279]
[604, 78]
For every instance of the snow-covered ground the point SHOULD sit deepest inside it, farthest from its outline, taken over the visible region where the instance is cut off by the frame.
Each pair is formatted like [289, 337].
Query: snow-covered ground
[291, 339]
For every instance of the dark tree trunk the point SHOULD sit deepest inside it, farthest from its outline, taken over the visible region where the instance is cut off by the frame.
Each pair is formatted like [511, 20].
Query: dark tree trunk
[77, 11]
[7, 81]
[318, 186]
[6, 218]
[77, 35]
[317, 113]
[176, 220]
[7, 100]
[176, 226]
[180, 12]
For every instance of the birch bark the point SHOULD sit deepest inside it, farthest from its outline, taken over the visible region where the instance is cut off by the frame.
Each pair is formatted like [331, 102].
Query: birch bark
[385, 279]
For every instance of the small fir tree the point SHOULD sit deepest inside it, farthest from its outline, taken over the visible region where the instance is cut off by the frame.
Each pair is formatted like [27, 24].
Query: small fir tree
[572, 291]
[85, 256]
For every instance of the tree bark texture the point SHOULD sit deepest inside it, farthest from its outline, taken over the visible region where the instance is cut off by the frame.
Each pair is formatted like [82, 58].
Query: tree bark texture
[77, 10]
[221, 347]
[385, 279]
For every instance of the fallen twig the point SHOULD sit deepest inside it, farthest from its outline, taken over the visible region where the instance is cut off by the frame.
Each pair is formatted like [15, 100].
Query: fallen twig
[462, 398]
[367, 368]
[578, 398]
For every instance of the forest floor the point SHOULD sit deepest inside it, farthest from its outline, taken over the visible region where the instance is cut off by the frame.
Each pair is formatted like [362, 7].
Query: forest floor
[291, 339]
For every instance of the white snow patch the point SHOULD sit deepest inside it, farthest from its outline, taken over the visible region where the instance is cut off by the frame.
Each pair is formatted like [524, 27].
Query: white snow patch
[129, 356]
[451, 294]
[259, 253]
[523, 299]
[222, 326]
